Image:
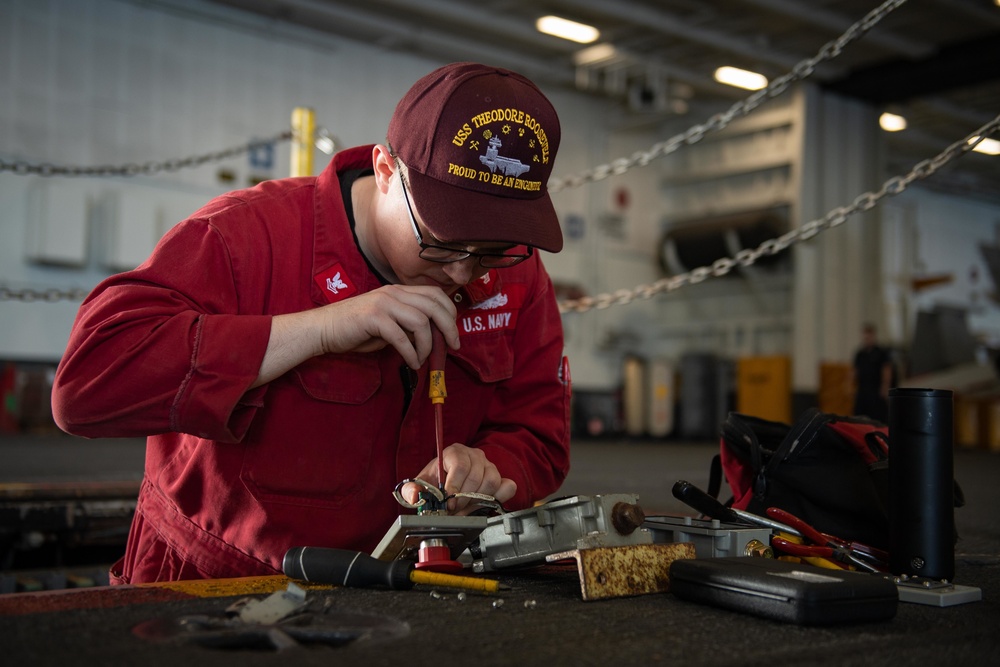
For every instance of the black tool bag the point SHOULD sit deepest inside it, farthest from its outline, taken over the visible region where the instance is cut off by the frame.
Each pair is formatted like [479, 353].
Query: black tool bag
[828, 470]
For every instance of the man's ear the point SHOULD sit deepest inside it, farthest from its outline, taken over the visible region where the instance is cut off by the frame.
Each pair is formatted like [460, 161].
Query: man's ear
[384, 165]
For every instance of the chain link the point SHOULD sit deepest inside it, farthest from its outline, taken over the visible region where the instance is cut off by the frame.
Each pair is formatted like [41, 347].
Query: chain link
[50, 295]
[834, 218]
[22, 168]
[693, 135]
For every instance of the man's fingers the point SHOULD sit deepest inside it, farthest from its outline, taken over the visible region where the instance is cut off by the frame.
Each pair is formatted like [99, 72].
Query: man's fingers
[400, 316]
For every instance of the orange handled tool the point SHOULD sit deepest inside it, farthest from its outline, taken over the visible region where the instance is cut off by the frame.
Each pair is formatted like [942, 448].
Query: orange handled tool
[437, 392]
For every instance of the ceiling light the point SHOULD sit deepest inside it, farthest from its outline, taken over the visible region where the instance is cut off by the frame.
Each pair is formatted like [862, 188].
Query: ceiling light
[566, 29]
[741, 78]
[986, 146]
[890, 122]
[598, 53]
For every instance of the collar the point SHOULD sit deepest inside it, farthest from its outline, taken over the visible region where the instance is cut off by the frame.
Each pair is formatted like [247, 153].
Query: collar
[339, 269]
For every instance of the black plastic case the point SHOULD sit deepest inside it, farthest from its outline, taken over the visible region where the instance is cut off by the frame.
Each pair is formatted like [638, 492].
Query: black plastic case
[782, 591]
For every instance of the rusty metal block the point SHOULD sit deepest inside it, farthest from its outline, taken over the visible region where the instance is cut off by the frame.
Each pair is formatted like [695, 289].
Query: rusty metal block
[624, 571]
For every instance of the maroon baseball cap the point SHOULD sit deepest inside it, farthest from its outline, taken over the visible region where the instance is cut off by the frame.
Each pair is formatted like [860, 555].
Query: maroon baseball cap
[478, 143]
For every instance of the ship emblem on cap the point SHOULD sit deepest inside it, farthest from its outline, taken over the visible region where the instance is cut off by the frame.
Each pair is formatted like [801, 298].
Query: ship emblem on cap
[507, 166]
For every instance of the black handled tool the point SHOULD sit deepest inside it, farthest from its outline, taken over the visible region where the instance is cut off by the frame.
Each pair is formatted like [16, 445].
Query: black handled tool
[694, 497]
[346, 568]
[358, 570]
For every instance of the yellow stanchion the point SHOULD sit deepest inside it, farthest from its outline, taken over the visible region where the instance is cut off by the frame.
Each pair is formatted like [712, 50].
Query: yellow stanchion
[303, 138]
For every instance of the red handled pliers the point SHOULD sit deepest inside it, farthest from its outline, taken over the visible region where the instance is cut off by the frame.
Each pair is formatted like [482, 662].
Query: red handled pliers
[827, 546]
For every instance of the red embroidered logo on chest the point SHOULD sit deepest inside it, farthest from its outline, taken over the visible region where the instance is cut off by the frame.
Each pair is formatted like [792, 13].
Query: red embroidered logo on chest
[334, 284]
[497, 313]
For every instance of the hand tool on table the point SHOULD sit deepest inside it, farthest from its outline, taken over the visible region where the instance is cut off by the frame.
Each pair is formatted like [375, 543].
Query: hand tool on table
[826, 546]
[357, 570]
[697, 499]
[432, 500]
[437, 392]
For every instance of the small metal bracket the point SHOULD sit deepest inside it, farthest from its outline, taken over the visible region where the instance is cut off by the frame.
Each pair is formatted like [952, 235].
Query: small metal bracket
[936, 593]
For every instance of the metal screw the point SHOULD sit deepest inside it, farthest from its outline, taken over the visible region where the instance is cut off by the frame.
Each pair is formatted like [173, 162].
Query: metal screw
[917, 563]
[461, 596]
[530, 604]
[498, 603]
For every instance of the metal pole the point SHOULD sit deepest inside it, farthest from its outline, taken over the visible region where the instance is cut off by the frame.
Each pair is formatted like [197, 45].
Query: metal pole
[303, 137]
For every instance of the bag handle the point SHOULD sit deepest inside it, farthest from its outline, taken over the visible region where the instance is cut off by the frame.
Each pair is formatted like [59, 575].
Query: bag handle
[802, 433]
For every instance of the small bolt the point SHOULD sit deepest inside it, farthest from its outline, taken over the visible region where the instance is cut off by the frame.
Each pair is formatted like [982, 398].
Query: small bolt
[498, 603]
[530, 604]
[758, 549]
[917, 563]
[626, 517]
[436, 595]
[461, 596]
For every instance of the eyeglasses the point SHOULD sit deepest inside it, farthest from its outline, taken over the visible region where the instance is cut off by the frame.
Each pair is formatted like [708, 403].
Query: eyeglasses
[445, 255]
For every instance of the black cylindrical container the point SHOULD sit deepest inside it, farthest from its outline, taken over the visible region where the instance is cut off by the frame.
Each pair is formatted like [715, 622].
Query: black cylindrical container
[921, 483]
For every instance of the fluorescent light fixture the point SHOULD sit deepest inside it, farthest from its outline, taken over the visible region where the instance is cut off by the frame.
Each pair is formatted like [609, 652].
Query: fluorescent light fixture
[740, 78]
[890, 122]
[566, 29]
[598, 53]
[986, 146]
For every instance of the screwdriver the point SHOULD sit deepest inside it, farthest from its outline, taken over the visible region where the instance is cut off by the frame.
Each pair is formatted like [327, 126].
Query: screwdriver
[437, 392]
[358, 570]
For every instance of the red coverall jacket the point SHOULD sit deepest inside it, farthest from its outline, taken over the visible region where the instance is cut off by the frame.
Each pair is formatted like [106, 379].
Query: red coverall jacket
[235, 477]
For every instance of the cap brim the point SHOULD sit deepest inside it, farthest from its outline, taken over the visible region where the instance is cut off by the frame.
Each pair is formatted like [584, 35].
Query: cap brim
[456, 214]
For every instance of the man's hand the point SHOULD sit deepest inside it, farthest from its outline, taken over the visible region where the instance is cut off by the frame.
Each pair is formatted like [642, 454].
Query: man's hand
[467, 470]
[396, 315]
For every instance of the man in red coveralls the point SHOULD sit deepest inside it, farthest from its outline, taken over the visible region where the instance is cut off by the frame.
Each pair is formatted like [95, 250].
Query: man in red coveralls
[272, 347]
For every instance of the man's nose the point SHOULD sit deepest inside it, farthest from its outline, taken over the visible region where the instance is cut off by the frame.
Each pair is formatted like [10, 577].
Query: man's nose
[463, 271]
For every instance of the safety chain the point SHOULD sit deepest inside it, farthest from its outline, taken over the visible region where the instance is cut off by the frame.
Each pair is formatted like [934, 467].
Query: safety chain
[49, 295]
[717, 122]
[749, 256]
[22, 168]
[718, 268]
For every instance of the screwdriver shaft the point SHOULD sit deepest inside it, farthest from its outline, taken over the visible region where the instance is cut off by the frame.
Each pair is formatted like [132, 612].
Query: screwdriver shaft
[454, 581]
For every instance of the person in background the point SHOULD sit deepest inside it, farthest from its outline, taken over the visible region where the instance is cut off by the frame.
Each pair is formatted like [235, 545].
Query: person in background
[872, 377]
[273, 346]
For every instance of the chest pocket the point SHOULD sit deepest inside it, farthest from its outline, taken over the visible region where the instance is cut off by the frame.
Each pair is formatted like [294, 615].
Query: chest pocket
[351, 379]
[488, 356]
[316, 446]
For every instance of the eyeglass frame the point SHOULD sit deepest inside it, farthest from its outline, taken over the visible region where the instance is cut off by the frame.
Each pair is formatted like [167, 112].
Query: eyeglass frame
[458, 255]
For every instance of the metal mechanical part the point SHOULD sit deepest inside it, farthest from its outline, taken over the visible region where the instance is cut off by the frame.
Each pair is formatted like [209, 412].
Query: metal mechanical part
[711, 538]
[527, 537]
[933, 593]
[435, 555]
[435, 493]
[403, 539]
[757, 549]
[433, 500]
